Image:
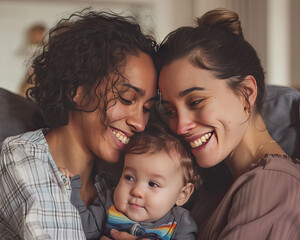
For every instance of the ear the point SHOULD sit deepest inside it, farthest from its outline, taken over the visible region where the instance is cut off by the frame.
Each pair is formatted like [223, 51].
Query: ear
[184, 194]
[250, 90]
[80, 94]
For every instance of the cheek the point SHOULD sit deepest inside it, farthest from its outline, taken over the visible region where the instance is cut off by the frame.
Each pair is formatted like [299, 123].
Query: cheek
[116, 112]
[120, 195]
[206, 115]
[146, 118]
[173, 124]
[156, 201]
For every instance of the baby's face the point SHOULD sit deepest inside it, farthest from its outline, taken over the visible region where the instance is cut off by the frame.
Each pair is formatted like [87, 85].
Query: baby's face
[149, 186]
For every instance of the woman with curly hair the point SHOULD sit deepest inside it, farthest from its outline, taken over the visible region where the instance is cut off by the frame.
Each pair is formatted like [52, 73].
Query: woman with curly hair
[95, 83]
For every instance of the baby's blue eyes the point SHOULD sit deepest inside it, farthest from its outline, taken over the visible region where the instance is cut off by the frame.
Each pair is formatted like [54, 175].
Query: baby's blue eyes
[129, 178]
[153, 184]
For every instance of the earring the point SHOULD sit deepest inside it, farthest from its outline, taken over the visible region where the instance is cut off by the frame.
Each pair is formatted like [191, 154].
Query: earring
[248, 109]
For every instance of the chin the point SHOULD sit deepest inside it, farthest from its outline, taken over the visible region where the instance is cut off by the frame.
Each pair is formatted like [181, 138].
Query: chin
[112, 157]
[207, 163]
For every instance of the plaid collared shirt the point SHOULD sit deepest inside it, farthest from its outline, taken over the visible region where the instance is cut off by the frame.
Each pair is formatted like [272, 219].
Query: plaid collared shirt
[34, 195]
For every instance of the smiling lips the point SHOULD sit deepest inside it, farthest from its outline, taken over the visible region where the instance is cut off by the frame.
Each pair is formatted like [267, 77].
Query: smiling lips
[194, 144]
[135, 206]
[121, 136]
[198, 142]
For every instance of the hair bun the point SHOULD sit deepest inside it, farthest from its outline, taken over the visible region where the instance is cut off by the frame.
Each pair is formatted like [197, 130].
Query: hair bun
[222, 18]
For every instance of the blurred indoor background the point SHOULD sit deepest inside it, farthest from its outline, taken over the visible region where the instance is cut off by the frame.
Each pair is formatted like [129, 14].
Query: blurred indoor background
[271, 26]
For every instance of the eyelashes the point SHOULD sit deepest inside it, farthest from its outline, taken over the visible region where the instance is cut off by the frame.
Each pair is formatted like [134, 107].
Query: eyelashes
[170, 111]
[125, 101]
[152, 184]
[130, 102]
[195, 103]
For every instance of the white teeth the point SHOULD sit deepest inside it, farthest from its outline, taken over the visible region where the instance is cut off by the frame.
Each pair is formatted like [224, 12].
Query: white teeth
[121, 137]
[198, 142]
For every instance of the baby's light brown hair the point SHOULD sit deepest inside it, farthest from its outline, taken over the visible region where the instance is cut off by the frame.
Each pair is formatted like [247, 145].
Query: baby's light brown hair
[157, 137]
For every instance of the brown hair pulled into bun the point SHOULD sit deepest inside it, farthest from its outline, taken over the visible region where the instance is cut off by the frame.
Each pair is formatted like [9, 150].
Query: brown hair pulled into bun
[222, 18]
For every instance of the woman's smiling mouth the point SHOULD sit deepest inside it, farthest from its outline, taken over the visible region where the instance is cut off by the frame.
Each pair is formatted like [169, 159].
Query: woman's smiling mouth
[201, 140]
[120, 136]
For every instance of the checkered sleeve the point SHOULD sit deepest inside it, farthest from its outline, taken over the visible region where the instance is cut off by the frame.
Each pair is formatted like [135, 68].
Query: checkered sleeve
[34, 201]
[17, 200]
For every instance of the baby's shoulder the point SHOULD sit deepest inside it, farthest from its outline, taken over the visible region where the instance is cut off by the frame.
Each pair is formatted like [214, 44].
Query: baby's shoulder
[181, 214]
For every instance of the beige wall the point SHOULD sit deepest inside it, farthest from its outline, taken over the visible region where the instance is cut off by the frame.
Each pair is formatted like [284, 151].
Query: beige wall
[157, 16]
[272, 27]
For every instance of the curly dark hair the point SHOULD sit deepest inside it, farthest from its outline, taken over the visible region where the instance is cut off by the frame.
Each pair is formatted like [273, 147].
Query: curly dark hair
[87, 49]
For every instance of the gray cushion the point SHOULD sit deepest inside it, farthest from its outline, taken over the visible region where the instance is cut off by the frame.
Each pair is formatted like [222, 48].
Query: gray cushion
[281, 114]
[17, 115]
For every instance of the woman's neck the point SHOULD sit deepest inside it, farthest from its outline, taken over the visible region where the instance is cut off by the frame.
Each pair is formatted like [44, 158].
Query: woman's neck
[68, 153]
[254, 145]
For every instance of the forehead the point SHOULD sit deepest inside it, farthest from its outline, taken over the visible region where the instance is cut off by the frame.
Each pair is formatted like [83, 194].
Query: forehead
[177, 78]
[159, 162]
[140, 72]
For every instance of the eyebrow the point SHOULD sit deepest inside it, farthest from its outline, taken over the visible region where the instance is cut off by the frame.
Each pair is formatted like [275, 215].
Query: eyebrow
[153, 99]
[158, 176]
[187, 91]
[184, 93]
[138, 90]
[129, 168]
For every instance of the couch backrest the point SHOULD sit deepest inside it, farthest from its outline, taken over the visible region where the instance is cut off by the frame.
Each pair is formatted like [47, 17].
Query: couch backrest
[281, 112]
[17, 115]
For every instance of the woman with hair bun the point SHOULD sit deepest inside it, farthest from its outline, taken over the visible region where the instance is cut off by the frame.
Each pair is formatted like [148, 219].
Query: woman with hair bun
[212, 89]
[95, 82]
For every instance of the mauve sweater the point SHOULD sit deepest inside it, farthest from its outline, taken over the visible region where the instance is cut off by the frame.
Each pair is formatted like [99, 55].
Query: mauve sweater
[263, 203]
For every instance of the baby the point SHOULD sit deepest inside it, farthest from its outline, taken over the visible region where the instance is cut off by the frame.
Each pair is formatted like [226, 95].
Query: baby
[158, 177]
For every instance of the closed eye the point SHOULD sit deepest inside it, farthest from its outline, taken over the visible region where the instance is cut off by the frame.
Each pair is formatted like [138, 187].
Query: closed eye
[125, 101]
[146, 110]
[169, 111]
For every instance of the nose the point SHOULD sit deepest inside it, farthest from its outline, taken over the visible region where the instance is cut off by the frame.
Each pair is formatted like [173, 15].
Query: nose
[137, 191]
[137, 120]
[185, 123]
